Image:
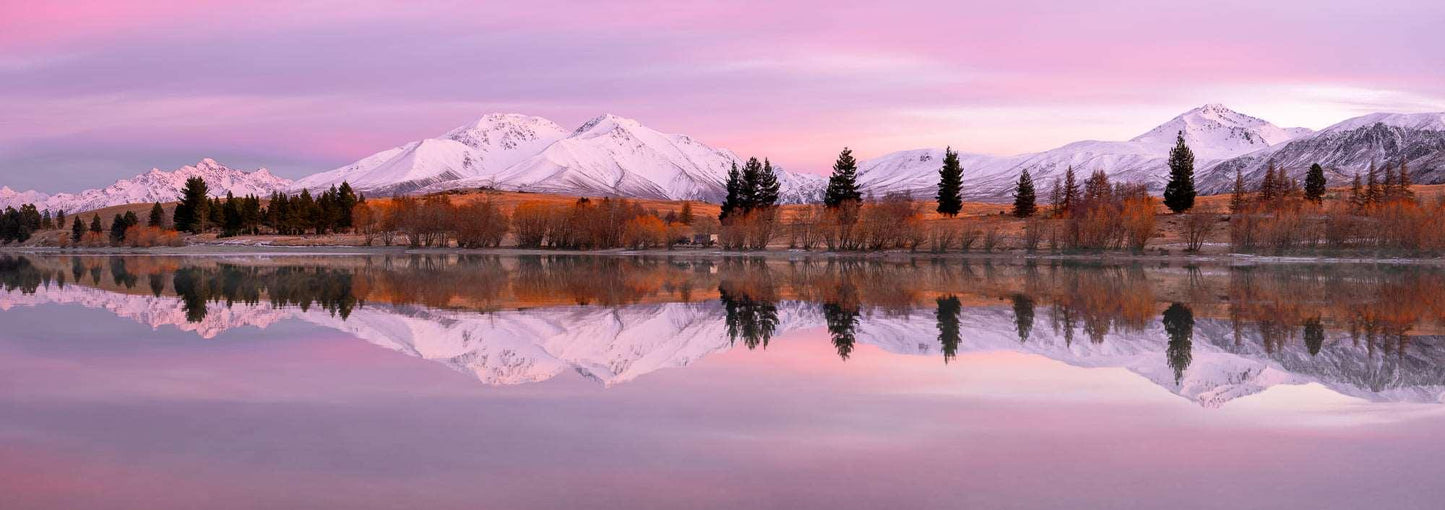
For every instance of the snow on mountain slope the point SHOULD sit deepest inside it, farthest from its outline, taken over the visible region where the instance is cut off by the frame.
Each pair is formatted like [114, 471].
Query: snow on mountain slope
[478, 151]
[1344, 149]
[1212, 132]
[154, 186]
[915, 172]
[616, 156]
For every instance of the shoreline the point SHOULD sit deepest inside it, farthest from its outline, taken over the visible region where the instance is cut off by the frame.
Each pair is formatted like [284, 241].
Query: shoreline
[221, 250]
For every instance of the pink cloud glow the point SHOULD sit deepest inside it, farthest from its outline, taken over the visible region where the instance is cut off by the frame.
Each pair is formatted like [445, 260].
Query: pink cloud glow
[304, 86]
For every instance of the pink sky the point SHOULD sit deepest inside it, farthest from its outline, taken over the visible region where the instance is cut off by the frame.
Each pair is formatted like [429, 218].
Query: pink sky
[95, 91]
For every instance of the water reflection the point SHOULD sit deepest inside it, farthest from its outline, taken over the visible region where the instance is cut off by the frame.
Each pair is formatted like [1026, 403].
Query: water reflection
[1211, 334]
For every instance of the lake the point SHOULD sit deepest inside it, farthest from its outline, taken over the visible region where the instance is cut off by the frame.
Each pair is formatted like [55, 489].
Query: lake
[459, 381]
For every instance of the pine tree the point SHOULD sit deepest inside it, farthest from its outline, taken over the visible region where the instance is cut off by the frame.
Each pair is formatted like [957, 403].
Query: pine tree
[1024, 196]
[843, 183]
[60, 218]
[46, 222]
[192, 212]
[1315, 184]
[158, 216]
[950, 184]
[77, 230]
[1071, 191]
[345, 201]
[117, 229]
[752, 177]
[95, 225]
[1238, 197]
[731, 204]
[1179, 193]
[765, 194]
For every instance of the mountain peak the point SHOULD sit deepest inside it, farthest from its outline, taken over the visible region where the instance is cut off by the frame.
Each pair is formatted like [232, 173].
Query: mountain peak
[1215, 131]
[607, 122]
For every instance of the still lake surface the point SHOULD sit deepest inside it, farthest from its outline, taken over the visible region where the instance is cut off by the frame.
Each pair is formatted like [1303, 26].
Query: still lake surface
[453, 381]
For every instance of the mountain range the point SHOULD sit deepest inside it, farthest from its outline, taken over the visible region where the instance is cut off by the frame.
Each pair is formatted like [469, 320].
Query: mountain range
[616, 156]
[153, 186]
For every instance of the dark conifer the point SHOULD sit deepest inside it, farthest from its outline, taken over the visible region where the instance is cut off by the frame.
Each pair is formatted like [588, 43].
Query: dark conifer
[1315, 184]
[950, 184]
[732, 203]
[1179, 192]
[1024, 199]
[158, 216]
[843, 183]
[192, 212]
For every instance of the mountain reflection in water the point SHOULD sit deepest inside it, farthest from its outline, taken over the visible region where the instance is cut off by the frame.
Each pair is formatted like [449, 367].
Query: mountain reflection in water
[1210, 334]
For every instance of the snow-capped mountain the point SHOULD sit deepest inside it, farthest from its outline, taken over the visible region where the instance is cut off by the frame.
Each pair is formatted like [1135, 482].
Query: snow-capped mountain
[153, 186]
[1212, 131]
[1343, 150]
[614, 345]
[479, 152]
[608, 155]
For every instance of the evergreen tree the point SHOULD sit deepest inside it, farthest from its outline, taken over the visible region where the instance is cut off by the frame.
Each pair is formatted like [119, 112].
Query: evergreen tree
[843, 183]
[1071, 191]
[1179, 193]
[95, 225]
[748, 193]
[305, 212]
[765, 194]
[1238, 200]
[230, 216]
[60, 219]
[117, 229]
[158, 216]
[1315, 184]
[77, 230]
[191, 213]
[346, 200]
[1024, 196]
[46, 222]
[950, 184]
[732, 203]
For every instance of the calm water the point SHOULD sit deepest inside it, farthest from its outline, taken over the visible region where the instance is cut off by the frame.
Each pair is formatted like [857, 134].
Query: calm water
[605, 382]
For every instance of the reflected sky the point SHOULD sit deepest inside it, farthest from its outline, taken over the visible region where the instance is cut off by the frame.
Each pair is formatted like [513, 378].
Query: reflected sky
[105, 411]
